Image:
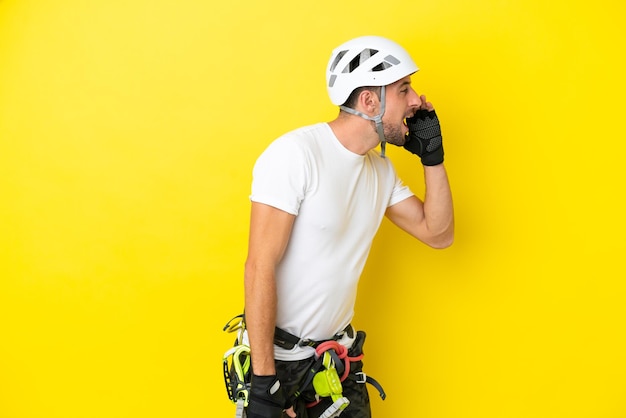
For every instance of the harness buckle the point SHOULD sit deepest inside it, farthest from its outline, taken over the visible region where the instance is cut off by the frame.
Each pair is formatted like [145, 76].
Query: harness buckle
[307, 342]
[361, 377]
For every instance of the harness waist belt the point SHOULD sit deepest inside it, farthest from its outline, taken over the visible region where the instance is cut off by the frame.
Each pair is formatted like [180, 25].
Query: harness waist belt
[288, 341]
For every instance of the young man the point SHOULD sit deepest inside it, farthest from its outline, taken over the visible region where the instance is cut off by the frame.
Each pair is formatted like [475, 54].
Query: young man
[318, 197]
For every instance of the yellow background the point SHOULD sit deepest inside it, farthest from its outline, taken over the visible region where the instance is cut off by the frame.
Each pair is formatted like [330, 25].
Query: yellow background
[128, 131]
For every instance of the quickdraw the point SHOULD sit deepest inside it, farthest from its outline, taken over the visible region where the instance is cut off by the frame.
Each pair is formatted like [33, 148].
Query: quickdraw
[236, 362]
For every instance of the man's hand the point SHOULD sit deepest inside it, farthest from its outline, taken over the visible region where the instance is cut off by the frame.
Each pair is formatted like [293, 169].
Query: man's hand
[267, 398]
[424, 138]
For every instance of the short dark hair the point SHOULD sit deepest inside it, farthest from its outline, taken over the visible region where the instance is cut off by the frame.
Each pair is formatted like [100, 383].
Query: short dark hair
[352, 99]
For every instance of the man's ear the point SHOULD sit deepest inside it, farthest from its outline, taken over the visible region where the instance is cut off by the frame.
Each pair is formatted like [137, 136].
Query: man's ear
[369, 102]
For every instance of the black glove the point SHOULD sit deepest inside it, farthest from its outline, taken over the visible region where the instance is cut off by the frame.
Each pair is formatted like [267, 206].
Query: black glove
[424, 138]
[267, 398]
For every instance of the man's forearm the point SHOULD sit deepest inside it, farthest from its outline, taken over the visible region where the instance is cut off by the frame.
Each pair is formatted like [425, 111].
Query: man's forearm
[260, 293]
[270, 229]
[438, 208]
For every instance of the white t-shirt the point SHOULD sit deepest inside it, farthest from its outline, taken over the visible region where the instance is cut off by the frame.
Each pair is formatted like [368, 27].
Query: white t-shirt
[339, 199]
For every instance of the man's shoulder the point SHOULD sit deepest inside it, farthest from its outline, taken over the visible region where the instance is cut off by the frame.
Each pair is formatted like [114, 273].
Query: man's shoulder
[303, 138]
[307, 132]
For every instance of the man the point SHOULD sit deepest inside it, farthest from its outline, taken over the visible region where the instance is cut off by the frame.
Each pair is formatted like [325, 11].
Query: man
[318, 197]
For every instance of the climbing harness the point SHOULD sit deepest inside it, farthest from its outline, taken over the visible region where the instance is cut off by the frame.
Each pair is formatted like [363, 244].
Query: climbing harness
[329, 368]
[288, 341]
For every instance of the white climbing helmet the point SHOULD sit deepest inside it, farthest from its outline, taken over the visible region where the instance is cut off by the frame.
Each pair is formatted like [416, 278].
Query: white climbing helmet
[365, 61]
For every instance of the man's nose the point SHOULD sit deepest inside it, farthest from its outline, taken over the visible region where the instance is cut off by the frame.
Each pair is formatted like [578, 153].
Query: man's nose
[416, 100]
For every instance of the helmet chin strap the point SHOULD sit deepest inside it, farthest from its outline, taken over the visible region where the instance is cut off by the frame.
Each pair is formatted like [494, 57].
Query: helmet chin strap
[378, 119]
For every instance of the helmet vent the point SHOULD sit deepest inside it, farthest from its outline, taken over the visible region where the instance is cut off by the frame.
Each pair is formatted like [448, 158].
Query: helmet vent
[392, 60]
[389, 62]
[337, 59]
[331, 81]
[356, 62]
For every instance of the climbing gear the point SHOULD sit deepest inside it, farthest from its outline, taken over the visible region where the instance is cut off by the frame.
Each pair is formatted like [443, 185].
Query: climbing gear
[326, 383]
[378, 120]
[330, 366]
[335, 361]
[236, 323]
[236, 364]
[424, 137]
[267, 398]
[367, 61]
[288, 341]
[236, 376]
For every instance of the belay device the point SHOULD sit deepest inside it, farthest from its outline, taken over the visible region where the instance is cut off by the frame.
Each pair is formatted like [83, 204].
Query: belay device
[327, 383]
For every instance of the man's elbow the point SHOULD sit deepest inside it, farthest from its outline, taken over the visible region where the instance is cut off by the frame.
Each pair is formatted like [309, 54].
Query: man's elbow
[442, 244]
[441, 241]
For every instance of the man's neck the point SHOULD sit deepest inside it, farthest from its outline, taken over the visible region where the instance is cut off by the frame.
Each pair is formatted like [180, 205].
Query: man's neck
[356, 134]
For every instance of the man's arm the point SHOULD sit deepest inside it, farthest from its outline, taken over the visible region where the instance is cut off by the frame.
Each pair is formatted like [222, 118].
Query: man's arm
[270, 229]
[430, 221]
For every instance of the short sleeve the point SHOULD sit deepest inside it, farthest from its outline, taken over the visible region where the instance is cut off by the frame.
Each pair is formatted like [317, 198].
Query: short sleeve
[400, 193]
[279, 176]
[400, 190]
